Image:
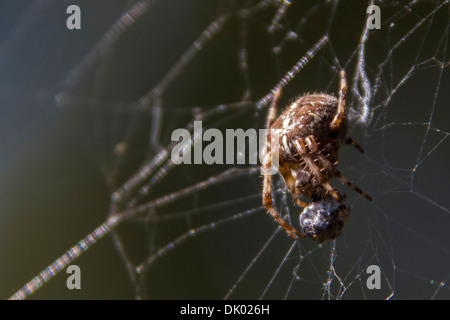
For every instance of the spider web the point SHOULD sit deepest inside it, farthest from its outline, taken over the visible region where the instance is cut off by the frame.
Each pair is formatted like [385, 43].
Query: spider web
[88, 119]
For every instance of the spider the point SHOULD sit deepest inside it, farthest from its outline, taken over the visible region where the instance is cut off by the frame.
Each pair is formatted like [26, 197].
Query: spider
[311, 131]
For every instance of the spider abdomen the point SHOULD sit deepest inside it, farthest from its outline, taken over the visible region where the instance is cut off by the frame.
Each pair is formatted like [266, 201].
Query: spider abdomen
[324, 220]
[309, 115]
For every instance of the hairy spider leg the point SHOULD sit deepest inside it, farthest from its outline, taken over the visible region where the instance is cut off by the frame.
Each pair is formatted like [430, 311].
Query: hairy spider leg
[337, 144]
[355, 144]
[267, 201]
[340, 113]
[271, 116]
[329, 166]
[302, 149]
[289, 179]
[267, 183]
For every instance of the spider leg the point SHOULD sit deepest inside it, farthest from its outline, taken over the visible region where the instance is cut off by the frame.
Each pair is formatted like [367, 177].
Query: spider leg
[354, 144]
[352, 185]
[301, 148]
[284, 169]
[267, 182]
[332, 168]
[333, 145]
[341, 104]
[271, 115]
[300, 203]
[267, 201]
[286, 173]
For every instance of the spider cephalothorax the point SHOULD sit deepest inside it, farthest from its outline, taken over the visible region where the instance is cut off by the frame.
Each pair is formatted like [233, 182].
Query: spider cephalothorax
[309, 132]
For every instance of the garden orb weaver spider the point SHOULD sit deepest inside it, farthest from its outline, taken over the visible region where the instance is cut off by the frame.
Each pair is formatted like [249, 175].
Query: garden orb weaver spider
[310, 132]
